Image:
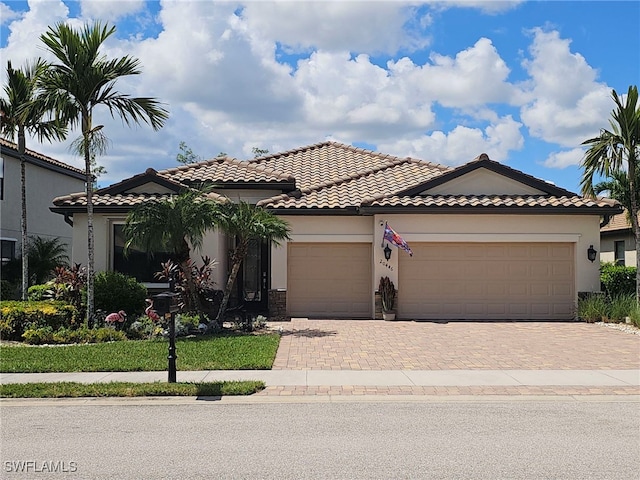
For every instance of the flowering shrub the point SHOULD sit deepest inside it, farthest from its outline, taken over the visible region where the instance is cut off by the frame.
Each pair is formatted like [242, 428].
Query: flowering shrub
[18, 316]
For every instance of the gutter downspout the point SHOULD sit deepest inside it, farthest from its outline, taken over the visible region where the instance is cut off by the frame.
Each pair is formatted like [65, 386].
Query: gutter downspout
[68, 219]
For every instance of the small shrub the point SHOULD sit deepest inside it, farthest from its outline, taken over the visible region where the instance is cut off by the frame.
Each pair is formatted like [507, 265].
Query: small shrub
[46, 335]
[634, 314]
[593, 308]
[115, 291]
[621, 307]
[617, 279]
[38, 336]
[17, 317]
[37, 293]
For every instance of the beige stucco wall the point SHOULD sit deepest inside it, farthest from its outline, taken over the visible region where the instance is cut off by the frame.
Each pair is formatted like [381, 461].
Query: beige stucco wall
[43, 186]
[583, 231]
[483, 182]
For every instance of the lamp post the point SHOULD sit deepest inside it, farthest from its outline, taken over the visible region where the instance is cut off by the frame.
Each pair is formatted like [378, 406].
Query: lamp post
[166, 304]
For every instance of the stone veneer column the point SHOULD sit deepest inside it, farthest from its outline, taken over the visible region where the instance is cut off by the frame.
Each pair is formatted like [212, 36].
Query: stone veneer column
[278, 305]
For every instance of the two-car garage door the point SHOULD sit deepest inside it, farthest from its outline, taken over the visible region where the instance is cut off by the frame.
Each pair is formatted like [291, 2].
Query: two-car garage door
[487, 281]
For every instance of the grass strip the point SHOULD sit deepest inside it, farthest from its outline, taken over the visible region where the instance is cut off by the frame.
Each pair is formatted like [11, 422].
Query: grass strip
[128, 389]
[220, 352]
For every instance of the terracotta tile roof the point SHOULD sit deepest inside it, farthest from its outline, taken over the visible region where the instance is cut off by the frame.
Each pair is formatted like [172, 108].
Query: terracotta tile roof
[353, 190]
[330, 176]
[331, 162]
[618, 222]
[493, 201]
[226, 170]
[47, 160]
[119, 201]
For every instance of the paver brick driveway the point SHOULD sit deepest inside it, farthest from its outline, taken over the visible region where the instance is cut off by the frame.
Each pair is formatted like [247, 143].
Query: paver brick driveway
[406, 345]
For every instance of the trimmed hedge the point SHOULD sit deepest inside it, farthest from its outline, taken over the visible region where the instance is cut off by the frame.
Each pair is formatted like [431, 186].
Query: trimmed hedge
[17, 316]
[617, 279]
[115, 291]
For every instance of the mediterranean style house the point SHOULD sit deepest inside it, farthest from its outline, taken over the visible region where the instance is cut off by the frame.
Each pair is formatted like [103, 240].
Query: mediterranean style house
[488, 242]
[46, 178]
[617, 243]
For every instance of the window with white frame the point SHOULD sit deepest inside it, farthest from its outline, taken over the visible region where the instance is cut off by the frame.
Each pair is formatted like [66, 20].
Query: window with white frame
[8, 249]
[618, 251]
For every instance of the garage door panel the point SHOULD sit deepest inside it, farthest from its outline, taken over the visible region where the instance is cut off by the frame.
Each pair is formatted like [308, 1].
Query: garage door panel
[329, 280]
[490, 281]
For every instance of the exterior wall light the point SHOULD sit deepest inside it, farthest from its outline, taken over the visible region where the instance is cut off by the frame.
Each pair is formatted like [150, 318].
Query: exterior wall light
[387, 252]
[591, 253]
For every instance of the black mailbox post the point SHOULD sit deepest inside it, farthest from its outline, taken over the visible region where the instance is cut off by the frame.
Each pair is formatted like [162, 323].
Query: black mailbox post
[164, 304]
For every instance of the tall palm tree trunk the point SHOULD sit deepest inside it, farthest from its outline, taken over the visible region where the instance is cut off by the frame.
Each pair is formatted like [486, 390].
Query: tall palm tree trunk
[23, 218]
[86, 127]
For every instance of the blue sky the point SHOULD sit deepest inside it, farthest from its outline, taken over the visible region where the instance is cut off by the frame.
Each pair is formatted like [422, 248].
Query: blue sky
[525, 82]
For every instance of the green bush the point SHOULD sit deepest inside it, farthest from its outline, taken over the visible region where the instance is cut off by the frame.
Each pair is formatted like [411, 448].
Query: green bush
[47, 335]
[38, 293]
[115, 291]
[621, 307]
[617, 279]
[19, 316]
[593, 308]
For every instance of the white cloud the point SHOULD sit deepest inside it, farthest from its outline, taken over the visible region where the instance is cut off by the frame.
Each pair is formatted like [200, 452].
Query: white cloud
[7, 14]
[339, 26]
[110, 10]
[462, 144]
[564, 158]
[568, 104]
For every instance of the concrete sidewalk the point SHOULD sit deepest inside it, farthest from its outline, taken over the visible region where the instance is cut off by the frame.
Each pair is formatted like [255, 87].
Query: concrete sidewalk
[363, 378]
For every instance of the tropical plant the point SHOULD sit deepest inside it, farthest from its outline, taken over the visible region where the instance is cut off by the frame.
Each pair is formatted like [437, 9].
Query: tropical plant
[78, 80]
[203, 283]
[246, 222]
[618, 150]
[69, 285]
[44, 255]
[171, 225]
[617, 187]
[24, 111]
[387, 294]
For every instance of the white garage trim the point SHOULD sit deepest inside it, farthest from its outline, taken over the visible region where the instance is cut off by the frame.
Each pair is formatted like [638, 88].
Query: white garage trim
[329, 280]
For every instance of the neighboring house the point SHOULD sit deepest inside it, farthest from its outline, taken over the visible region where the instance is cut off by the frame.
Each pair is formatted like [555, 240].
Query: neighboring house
[617, 243]
[46, 178]
[489, 242]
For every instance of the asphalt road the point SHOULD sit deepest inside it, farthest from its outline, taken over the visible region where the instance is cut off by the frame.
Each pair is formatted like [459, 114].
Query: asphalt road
[540, 439]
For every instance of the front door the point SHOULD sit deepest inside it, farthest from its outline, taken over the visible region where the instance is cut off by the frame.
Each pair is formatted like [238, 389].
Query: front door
[253, 281]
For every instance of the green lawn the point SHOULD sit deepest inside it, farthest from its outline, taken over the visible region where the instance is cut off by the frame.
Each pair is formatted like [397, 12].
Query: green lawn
[126, 389]
[222, 352]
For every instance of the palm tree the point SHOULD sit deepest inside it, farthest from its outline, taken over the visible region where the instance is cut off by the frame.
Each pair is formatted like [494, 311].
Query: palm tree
[617, 150]
[44, 255]
[617, 186]
[172, 225]
[22, 112]
[79, 80]
[247, 222]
